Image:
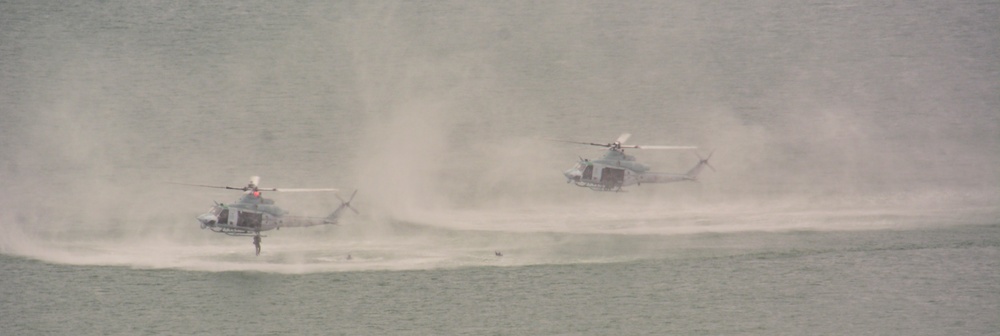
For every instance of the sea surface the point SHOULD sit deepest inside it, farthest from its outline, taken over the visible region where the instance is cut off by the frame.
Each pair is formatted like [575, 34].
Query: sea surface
[854, 188]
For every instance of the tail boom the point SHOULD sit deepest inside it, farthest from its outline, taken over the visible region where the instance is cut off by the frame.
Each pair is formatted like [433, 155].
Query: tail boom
[691, 175]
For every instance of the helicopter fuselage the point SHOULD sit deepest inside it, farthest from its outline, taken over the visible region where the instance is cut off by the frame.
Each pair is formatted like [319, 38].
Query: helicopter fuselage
[616, 170]
[247, 216]
[251, 214]
[611, 172]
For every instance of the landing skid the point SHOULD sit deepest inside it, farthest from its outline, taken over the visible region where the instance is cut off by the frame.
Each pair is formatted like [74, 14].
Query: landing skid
[236, 233]
[600, 187]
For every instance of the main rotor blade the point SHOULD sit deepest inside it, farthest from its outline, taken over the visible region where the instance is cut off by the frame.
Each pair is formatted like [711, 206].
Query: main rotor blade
[659, 147]
[622, 138]
[299, 189]
[205, 186]
[582, 143]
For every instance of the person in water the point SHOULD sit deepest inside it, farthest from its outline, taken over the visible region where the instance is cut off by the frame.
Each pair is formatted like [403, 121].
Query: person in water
[256, 242]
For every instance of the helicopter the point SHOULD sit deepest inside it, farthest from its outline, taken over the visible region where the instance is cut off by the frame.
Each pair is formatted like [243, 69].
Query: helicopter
[617, 169]
[252, 213]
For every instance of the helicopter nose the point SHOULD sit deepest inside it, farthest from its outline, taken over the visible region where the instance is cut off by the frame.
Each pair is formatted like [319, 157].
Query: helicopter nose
[572, 175]
[207, 220]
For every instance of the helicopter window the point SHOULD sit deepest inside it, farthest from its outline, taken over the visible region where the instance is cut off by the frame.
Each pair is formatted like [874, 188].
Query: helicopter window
[612, 176]
[223, 216]
[249, 219]
[588, 173]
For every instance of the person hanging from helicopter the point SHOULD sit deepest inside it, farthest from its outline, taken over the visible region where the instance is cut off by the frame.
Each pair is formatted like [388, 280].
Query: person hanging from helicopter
[256, 242]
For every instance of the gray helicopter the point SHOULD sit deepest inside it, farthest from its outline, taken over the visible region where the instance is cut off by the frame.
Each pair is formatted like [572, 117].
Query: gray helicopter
[617, 169]
[252, 213]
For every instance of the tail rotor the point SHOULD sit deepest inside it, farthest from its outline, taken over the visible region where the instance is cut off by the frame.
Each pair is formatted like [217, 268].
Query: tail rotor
[704, 161]
[692, 175]
[347, 203]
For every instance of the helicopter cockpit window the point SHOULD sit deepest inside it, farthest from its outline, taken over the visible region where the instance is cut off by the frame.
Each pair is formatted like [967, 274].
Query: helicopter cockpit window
[588, 173]
[224, 216]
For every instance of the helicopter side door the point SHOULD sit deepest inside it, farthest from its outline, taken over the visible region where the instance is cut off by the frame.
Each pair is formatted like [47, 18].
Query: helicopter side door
[612, 177]
[249, 220]
[230, 218]
[271, 222]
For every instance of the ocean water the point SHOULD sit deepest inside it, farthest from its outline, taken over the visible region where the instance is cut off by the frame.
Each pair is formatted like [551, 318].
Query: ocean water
[856, 148]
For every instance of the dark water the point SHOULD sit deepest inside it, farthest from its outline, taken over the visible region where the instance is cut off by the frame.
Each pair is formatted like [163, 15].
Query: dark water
[856, 147]
[923, 282]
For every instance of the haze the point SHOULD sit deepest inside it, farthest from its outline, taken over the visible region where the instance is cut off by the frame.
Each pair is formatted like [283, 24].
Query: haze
[437, 113]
